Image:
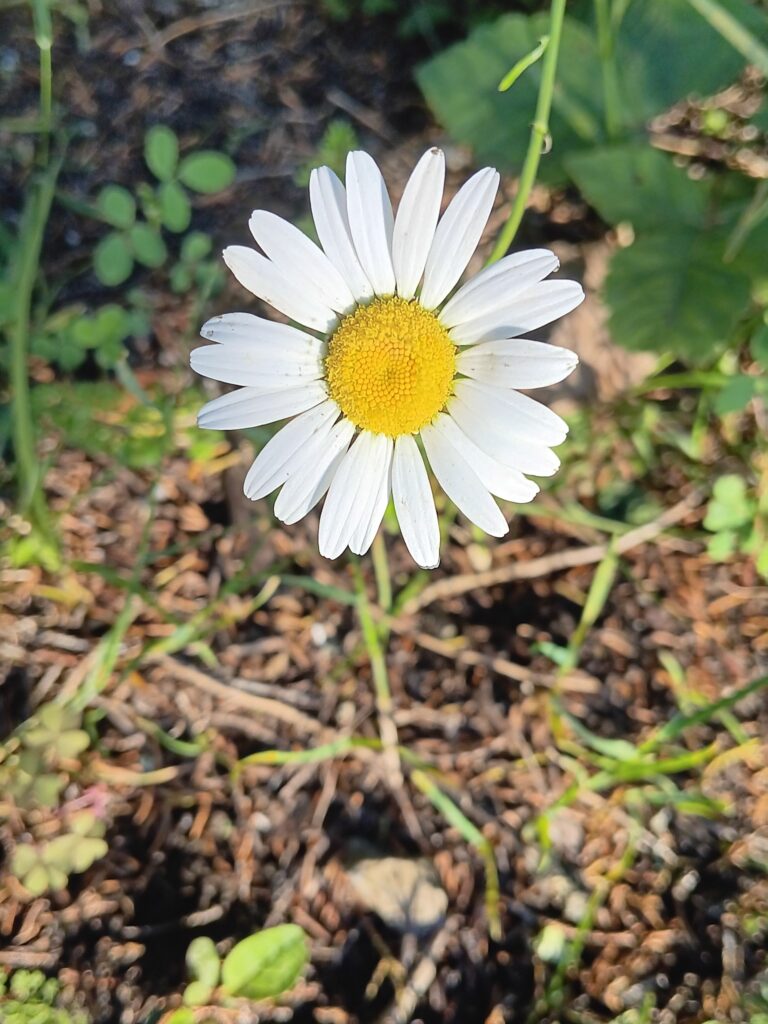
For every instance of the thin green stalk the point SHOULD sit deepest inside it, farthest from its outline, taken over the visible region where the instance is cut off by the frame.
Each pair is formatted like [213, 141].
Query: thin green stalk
[607, 50]
[387, 727]
[456, 817]
[44, 39]
[34, 218]
[381, 571]
[539, 132]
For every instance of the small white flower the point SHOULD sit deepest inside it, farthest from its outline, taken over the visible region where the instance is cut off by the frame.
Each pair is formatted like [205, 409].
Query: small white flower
[384, 358]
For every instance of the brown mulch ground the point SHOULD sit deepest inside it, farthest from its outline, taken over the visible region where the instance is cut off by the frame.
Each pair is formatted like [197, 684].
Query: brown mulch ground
[200, 854]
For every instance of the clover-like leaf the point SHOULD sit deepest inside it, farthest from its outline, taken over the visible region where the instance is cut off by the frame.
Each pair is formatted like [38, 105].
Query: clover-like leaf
[148, 245]
[112, 259]
[195, 247]
[117, 206]
[175, 211]
[266, 964]
[207, 171]
[161, 151]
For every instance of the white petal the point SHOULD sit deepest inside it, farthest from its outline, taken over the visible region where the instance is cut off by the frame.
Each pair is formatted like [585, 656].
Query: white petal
[254, 365]
[521, 415]
[300, 259]
[493, 287]
[457, 235]
[500, 480]
[245, 327]
[517, 363]
[541, 305]
[282, 453]
[492, 436]
[370, 221]
[266, 280]
[253, 407]
[312, 477]
[328, 199]
[461, 484]
[374, 501]
[353, 492]
[414, 503]
[416, 221]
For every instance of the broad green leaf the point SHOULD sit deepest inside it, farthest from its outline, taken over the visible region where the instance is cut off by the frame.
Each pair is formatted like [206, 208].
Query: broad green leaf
[671, 292]
[175, 210]
[148, 245]
[735, 396]
[207, 171]
[161, 151]
[117, 206]
[461, 87]
[667, 51]
[632, 182]
[112, 259]
[265, 964]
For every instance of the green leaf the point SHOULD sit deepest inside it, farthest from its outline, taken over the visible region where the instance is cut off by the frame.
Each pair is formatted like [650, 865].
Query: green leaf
[759, 346]
[735, 396]
[112, 259]
[117, 206]
[461, 87]
[195, 247]
[161, 152]
[722, 545]
[671, 292]
[175, 211]
[730, 507]
[265, 964]
[203, 962]
[181, 279]
[197, 993]
[667, 51]
[148, 245]
[207, 171]
[632, 182]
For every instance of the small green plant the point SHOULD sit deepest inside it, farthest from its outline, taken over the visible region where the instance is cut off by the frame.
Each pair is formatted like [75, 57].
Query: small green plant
[139, 239]
[46, 867]
[69, 334]
[28, 997]
[33, 762]
[339, 138]
[733, 516]
[261, 966]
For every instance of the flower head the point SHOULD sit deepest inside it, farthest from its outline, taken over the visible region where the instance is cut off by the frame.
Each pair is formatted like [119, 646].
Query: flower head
[381, 359]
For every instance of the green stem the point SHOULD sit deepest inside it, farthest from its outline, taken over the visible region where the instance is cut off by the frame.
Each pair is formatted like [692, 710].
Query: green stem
[539, 132]
[387, 727]
[606, 47]
[36, 210]
[381, 571]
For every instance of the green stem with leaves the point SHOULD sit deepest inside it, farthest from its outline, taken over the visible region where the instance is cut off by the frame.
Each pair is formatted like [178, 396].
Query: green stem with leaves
[539, 132]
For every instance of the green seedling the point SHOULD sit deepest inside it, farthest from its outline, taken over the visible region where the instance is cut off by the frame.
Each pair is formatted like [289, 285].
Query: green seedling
[28, 997]
[262, 966]
[735, 518]
[138, 220]
[46, 867]
[33, 761]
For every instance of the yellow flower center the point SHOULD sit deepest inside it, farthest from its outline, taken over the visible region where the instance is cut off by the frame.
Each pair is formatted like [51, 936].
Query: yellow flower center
[390, 366]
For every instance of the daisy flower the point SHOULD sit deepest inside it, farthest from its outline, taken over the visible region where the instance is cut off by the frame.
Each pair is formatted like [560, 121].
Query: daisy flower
[386, 355]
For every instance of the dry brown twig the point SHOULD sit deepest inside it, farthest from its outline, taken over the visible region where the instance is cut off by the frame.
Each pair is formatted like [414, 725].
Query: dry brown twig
[454, 586]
